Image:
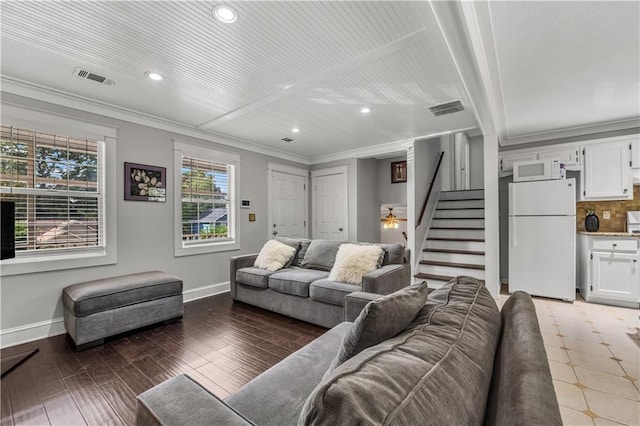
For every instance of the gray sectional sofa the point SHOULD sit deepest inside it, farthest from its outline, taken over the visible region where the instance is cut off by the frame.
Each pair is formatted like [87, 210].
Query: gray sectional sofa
[459, 362]
[302, 289]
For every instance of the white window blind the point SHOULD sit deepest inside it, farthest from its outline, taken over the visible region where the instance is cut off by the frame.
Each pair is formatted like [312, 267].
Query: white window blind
[57, 183]
[207, 201]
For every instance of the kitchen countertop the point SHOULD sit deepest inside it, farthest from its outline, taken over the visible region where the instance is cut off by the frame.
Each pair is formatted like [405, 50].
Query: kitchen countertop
[609, 234]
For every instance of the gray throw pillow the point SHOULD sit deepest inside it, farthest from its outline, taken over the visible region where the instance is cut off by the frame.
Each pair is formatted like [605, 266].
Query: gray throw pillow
[321, 255]
[292, 242]
[382, 319]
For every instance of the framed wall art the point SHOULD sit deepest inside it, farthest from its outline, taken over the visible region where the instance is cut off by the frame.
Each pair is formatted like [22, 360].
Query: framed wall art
[398, 171]
[145, 183]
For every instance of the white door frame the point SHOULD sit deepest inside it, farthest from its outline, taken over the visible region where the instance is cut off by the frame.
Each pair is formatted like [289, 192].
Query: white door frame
[281, 168]
[334, 171]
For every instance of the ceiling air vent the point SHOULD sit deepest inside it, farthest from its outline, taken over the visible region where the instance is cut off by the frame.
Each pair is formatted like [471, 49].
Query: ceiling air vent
[446, 108]
[82, 73]
[287, 139]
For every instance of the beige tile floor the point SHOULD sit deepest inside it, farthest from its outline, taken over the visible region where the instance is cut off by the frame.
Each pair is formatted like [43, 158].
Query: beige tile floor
[594, 355]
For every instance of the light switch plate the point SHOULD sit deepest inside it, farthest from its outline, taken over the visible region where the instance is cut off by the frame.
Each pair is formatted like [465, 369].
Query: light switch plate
[606, 214]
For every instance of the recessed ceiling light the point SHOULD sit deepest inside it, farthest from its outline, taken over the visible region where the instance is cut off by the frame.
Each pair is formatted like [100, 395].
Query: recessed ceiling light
[295, 130]
[365, 110]
[224, 13]
[153, 75]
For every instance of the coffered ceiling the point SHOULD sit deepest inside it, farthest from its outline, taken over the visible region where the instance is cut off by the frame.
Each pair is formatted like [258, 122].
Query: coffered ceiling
[313, 65]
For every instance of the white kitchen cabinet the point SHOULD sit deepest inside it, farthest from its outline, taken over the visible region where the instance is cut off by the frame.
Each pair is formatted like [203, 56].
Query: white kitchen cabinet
[507, 160]
[607, 171]
[569, 156]
[609, 270]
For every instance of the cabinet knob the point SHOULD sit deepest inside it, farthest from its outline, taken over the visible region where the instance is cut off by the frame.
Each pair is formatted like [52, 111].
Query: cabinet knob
[615, 244]
[340, 229]
[625, 190]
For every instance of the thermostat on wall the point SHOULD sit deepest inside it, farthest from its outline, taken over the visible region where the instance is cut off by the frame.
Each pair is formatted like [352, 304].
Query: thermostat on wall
[245, 204]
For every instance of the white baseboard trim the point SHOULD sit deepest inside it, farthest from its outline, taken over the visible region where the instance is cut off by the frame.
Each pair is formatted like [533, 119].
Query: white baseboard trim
[41, 330]
[205, 291]
[30, 332]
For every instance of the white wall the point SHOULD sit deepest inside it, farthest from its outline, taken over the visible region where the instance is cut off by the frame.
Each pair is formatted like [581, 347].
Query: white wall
[476, 163]
[390, 193]
[368, 221]
[145, 230]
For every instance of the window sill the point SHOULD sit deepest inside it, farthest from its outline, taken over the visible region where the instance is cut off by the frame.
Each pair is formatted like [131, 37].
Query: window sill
[55, 262]
[206, 248]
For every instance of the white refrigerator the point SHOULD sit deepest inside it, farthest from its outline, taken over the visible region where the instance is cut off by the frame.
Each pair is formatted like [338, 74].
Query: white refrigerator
[542, 238]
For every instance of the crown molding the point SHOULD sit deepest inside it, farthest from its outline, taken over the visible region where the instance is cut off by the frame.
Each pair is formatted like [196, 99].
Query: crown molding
[577, 131]
[65, 99]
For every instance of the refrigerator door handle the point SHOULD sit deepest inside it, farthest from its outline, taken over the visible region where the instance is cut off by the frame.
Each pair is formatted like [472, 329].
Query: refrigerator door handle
[512, 231]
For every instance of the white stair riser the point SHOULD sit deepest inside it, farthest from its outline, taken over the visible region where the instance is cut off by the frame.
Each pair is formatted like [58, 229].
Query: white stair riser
[460, 204]
[451, 271]
[457, 233]
[457, 223]
[455, 245]
[444, 214]
[461, 195]
[474, 259]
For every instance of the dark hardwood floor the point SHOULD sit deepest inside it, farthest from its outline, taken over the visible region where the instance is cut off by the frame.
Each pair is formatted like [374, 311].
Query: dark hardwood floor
[219, 343]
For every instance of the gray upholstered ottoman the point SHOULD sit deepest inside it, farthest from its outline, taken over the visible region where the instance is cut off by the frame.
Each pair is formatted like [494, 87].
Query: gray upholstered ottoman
[101, 308]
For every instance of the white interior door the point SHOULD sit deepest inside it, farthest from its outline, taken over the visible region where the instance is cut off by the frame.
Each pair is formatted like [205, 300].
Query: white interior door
[288, 199]
[330, 208]
[460, 162]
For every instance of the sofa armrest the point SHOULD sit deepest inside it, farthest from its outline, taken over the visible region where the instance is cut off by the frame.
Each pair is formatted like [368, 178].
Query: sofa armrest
[387, 279]
[182, 401]
[355, 302]
[522, 390]
[235, 263]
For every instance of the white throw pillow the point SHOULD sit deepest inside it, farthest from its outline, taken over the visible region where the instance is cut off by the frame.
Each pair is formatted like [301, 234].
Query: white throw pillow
[353, 261]
[274, 255]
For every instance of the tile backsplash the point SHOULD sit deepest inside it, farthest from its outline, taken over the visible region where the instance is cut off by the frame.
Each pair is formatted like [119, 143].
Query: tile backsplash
[618, 209]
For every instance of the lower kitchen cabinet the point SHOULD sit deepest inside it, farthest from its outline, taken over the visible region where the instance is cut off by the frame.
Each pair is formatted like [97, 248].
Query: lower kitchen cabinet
[609, 270]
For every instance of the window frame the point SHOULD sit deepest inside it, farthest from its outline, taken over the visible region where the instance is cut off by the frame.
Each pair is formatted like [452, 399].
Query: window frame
[187, 149]
[81, 257]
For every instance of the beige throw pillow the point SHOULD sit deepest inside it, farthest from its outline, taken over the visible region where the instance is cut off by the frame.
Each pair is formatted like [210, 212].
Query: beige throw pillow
[274, 255]
[353, 261]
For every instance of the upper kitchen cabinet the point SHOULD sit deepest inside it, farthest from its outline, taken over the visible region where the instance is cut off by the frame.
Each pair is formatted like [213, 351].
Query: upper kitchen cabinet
[507, 160]
[569, 155]
[607, 170]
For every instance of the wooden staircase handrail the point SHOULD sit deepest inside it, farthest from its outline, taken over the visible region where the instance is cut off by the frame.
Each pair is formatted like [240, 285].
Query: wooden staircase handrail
[433, 181]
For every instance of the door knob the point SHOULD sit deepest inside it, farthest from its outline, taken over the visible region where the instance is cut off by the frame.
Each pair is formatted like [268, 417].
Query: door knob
[340, 229]
[275, 232]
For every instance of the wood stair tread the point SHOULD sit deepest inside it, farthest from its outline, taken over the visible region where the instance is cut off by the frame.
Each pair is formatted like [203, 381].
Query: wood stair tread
[436, 277]
[457, 228]
[452, 264]
[435, 250]
[458, 218]
[474, 240]
[461, 208]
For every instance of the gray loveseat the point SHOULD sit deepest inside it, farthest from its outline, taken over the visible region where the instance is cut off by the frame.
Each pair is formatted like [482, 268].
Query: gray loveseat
[302, 289]
[460, 362]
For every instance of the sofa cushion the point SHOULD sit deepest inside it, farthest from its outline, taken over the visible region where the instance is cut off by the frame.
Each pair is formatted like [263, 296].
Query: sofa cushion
[295, 281]
[274, 255]
[300, 244]
[255, 277]
[276, 396]
[436, 372]
[382, 319]
[353, 261]
[331, 292]
[321, 254]
[393, 253]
